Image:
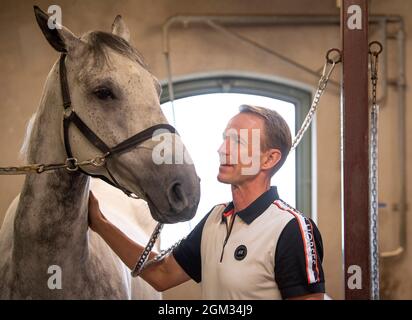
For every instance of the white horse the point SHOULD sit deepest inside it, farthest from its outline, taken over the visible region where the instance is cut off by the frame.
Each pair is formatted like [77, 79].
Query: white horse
[45, 231]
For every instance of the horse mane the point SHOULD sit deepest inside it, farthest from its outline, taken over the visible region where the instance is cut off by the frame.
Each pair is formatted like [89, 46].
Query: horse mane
[98, 41]
[23, 153]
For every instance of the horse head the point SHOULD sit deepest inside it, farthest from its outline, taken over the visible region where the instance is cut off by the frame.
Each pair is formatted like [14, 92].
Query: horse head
[116, 97]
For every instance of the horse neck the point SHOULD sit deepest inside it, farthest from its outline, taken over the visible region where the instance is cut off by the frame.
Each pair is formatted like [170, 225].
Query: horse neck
[52, 212]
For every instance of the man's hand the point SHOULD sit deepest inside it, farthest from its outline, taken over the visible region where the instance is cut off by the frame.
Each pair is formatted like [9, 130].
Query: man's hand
[161, 276]
[96, 217]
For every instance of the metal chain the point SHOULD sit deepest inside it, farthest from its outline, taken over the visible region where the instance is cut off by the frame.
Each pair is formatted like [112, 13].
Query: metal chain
[373, 54]
[158, 258]
[71, 164]
[141, 263]
[330, 63]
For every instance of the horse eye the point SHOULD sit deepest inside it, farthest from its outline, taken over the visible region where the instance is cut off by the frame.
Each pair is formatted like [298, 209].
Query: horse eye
[104, 94]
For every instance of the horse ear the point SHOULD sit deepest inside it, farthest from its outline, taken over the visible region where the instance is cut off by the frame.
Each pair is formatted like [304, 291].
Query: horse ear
[59, 37]
[119, 28]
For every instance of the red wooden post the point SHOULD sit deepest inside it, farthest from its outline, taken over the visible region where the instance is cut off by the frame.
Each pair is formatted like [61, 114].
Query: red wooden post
[354, 29]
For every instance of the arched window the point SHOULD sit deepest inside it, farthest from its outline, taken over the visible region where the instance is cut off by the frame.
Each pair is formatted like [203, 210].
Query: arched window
[202, 107]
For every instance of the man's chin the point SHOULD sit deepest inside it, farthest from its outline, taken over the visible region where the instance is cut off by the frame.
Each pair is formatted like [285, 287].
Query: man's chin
[223, 179]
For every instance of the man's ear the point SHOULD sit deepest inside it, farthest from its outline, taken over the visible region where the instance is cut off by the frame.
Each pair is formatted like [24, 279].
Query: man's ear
[60, 38]
[119, 28]
[271, 159]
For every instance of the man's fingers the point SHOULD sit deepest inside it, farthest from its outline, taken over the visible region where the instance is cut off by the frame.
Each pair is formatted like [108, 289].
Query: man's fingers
[91, 196]
[92, 199]
[94, 209]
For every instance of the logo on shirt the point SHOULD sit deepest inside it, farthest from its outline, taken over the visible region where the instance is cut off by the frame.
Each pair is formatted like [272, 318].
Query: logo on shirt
[240, 252]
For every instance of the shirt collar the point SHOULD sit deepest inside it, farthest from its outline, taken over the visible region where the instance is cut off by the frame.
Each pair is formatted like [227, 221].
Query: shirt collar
[256, 208]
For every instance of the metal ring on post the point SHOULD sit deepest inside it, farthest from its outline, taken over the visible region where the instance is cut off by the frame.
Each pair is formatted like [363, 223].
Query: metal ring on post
[380, 48]
[333, 61]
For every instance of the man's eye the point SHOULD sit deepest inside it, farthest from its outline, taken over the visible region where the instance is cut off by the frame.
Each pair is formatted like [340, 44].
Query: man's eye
[104, 94]
[234, 140]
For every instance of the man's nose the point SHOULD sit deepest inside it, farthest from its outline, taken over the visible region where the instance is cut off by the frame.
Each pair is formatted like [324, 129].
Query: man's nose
[222, 149]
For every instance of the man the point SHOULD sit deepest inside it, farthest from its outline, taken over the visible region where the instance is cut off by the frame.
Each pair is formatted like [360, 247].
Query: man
[255, 247]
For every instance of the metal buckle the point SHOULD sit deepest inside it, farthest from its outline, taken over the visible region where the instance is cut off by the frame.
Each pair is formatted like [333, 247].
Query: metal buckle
[67, 113]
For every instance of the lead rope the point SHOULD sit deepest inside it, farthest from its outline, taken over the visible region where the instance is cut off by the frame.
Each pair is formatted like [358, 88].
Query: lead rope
[373, 163]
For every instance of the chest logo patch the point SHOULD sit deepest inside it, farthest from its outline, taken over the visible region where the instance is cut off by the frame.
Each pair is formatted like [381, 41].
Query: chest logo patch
[240, 252]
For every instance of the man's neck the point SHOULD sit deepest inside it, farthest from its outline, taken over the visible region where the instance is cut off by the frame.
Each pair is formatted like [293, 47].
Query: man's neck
[244, 195]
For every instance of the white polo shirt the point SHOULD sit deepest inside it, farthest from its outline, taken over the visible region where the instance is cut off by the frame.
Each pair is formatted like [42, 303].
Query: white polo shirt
[268, 251]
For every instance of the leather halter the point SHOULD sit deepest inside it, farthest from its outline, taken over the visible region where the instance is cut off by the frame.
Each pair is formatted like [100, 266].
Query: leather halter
[70, 117]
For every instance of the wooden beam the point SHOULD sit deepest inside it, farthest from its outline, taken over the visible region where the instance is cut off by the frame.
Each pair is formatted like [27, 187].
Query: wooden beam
[355, 113]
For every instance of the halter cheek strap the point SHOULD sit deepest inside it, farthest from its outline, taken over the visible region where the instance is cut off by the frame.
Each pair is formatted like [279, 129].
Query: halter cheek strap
[70, 117]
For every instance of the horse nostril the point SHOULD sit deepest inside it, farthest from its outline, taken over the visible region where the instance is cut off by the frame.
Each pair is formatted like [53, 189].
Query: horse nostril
[177, 192]
[177, 198]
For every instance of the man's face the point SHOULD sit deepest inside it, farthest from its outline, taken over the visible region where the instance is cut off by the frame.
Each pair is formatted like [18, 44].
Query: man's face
[240, 151]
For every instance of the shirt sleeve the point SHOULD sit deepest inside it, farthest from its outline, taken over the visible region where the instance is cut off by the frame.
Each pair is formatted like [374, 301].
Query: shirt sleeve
[298, 259]
[187, 253]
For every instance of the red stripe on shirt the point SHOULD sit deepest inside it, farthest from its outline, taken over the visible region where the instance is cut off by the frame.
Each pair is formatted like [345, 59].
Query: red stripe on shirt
[303, 238]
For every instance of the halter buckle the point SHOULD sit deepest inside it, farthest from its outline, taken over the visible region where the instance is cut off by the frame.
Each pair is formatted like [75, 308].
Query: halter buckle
[67, 113]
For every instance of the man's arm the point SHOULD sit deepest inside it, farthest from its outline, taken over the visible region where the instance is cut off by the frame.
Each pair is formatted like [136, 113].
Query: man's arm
[161, 276]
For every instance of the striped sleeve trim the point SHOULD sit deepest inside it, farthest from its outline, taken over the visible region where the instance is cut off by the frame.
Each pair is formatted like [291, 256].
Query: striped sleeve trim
[308, 239]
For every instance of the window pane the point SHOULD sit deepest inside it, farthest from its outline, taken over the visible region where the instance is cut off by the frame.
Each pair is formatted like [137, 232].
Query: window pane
[200, 121]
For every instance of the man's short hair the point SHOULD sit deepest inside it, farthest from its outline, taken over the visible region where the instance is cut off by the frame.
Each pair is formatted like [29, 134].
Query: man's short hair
[277, 133]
